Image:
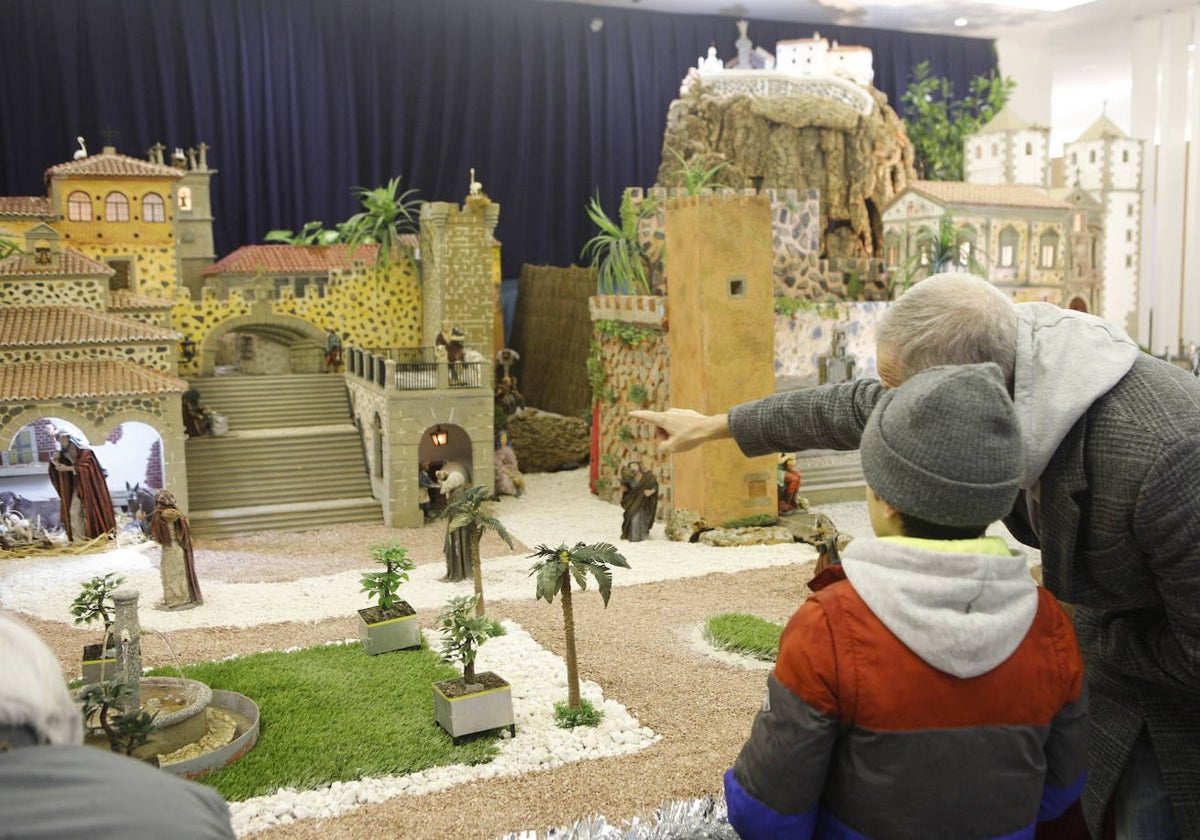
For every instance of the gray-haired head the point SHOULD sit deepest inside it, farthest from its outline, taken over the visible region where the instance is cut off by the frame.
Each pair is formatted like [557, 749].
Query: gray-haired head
[947, 319]
[33, 693]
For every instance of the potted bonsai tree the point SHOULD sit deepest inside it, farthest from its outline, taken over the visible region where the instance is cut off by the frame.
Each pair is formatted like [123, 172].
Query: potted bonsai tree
[392, 623]
[554, 570]
[474, 702]
[94, 603]
[126, 731]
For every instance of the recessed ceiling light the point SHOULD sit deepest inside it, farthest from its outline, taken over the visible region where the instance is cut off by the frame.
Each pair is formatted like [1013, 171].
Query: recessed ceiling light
[961, 21]
[1038, 5]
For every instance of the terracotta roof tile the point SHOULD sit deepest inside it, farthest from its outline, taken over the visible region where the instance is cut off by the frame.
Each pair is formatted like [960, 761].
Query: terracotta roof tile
[990, 195]
[83, 380]
[25, 206]
[70, 264]
[122, 300]
[112, 164]
[288, 259]
[64, 326]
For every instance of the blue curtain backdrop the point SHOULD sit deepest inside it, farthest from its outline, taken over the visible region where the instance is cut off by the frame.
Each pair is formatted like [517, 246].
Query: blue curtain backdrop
[301, 100]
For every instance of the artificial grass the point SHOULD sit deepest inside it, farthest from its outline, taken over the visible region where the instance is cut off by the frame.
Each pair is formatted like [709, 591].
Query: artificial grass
[334, 713]
[744, 633]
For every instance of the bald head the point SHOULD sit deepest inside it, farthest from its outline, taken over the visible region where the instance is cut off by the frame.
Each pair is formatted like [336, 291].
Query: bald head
[947, 319]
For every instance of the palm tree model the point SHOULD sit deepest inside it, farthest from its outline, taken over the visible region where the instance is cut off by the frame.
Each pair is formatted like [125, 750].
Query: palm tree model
[467, 511]
[554, 571]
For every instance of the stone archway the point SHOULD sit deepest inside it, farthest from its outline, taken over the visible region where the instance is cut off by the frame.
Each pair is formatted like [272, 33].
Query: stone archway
[304, 341]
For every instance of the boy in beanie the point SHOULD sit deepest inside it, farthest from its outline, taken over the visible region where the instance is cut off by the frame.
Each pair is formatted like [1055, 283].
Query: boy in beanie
[929, 689]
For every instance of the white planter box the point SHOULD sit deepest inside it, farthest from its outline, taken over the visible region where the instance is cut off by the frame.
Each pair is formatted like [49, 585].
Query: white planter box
[464, 714]
[389, 634]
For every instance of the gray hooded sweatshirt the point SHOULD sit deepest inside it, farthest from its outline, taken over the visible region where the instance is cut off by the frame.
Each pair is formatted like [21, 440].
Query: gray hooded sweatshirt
[962, 606]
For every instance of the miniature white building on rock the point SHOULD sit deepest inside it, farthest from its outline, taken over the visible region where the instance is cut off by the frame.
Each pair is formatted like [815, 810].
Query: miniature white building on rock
[802, 65]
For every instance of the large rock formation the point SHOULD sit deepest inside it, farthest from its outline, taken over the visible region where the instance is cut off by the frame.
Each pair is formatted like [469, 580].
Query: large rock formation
[858, 163]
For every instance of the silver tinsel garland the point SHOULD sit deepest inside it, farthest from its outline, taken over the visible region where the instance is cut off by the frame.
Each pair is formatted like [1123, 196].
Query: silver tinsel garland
[693, 819]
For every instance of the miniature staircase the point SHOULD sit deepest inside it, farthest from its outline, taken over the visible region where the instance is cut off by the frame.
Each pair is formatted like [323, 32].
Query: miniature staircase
[291, 461]
[829, 476]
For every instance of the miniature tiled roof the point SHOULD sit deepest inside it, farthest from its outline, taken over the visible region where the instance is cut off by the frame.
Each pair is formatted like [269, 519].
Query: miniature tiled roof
[1101, 129]
[121, 301]
[66, 326]
[987, 195]
[288, 259]
[1005, 120]
[89, 379]
[71, 263]
[112, 164]
[25, 207]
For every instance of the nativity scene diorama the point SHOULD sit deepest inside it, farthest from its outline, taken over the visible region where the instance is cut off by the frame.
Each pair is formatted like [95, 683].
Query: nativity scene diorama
[317, 380]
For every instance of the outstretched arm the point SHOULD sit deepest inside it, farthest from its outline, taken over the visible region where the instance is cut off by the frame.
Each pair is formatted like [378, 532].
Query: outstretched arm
[681, 429]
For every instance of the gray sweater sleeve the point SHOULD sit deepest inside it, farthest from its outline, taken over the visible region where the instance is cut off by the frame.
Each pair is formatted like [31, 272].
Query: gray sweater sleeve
[828, 417]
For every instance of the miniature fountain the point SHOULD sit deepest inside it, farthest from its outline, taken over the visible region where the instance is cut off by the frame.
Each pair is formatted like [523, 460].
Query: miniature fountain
[196, 729]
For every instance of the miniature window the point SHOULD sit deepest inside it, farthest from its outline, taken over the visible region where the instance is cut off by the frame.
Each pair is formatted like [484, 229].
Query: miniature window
[185, 198]
[737, 287]
[1092, 156]
[1129, 210]
[1049, 245]
[1128, 236]
[1008, 247]
[978, 152]
[1124, 156]
[1129, 260]
[153, 208]
[1028, 149]
[79, 207]
[1077, 224]
[995, 150]
[116, 207]
[1074, 158]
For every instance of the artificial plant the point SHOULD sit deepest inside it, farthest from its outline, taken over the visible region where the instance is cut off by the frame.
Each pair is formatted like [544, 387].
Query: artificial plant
[622, 265]
[936, 251]
[468, 511]
[937, 122]
[384, 585]
[94, 601]
[554, 570]
[462, 634]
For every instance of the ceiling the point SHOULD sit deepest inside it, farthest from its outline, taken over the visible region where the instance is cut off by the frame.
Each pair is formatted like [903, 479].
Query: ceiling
[985, 20]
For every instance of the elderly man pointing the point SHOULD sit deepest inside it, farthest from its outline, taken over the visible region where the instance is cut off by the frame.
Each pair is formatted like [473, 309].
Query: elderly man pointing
[1111, 477]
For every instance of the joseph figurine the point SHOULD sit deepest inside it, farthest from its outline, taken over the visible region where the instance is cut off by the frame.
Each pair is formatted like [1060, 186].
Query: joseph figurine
[169, 528]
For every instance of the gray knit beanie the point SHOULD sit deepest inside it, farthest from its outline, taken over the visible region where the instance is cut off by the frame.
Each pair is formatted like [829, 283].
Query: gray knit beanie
[945, 447]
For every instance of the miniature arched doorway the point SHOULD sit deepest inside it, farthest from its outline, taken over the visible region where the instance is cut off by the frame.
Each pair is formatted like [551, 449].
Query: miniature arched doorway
[131, 454]
[377, 435]
[443, 447]
[263, 344]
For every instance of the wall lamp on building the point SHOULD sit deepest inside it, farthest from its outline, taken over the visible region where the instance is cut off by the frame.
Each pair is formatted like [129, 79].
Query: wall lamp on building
[187, 350]
[439, 436]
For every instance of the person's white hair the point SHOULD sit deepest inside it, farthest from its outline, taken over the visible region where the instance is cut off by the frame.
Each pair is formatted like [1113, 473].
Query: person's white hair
[32, 691]
[949, 319]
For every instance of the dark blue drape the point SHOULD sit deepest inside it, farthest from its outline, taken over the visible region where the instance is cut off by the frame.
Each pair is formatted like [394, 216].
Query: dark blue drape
[301, 100]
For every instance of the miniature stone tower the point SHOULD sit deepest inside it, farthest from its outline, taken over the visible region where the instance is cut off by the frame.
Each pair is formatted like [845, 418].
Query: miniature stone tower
[720, 310]
[1008, 150]
[1108, 163]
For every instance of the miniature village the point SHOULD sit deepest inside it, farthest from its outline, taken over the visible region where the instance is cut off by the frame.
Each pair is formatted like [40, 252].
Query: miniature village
[366, 388]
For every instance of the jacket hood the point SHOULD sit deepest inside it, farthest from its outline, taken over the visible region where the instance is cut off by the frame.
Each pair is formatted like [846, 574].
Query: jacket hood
[1065, 361]
[962, 606]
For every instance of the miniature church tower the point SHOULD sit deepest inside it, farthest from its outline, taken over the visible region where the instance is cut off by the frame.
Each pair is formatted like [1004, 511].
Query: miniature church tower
[1008, 150]
[1108, 163]
[194, 220]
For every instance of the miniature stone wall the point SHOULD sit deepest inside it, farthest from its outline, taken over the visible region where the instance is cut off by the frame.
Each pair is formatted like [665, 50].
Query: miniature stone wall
[91, 293]
[802, 338]
[156, 356]
[631, 361]
[367, 310]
